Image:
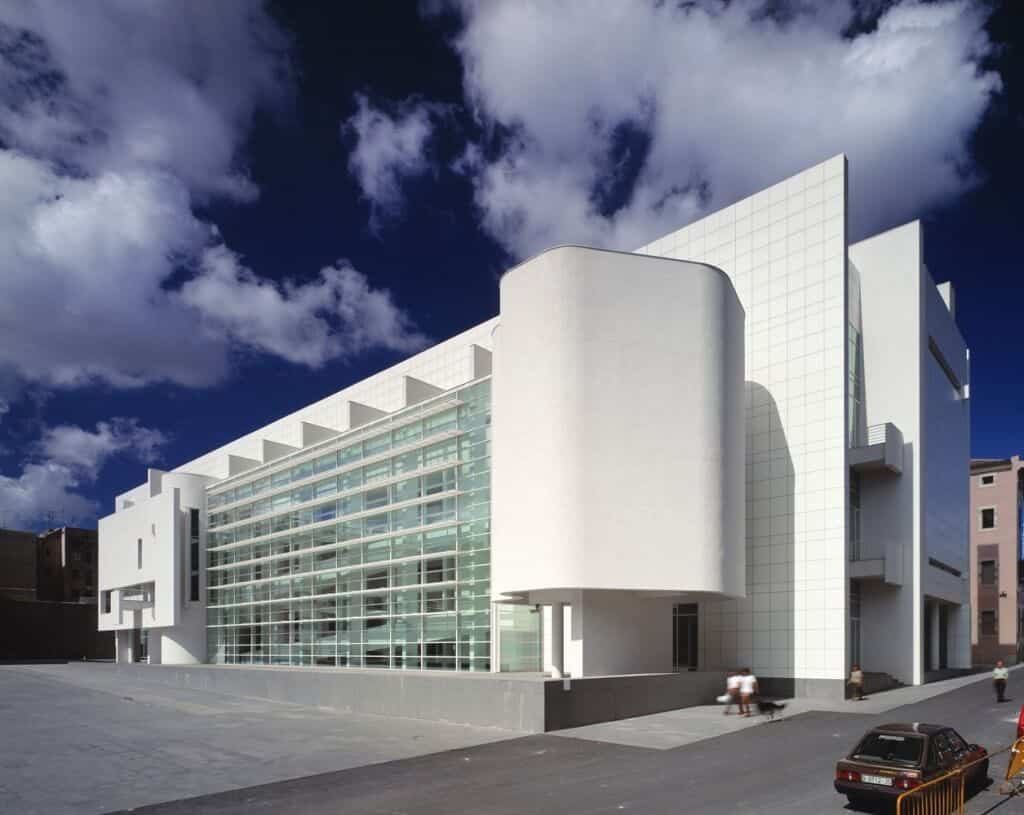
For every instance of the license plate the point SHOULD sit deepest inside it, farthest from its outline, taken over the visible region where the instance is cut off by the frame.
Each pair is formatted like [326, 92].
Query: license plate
[884, 780]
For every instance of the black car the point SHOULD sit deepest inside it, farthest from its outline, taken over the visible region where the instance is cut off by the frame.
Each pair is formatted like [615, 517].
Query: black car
[894, 758]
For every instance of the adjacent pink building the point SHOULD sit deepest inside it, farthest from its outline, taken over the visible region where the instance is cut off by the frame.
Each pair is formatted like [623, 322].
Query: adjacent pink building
[997, 603]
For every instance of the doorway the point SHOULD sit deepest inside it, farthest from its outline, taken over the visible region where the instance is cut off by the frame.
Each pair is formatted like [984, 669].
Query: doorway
[140, 645]
[943, 637]
[684, 637]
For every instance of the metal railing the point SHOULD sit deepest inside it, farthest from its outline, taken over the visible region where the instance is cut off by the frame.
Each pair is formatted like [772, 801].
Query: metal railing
[944, 795]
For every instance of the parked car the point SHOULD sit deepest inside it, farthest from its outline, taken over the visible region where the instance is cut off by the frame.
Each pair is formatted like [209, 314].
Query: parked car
[894, 758]
[1020, 723]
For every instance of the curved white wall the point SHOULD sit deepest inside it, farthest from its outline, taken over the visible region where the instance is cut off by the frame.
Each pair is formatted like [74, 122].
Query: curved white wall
[618, 426]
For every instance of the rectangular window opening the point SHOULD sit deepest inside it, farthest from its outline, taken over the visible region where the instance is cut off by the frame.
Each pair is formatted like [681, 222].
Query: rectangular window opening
[987, 517]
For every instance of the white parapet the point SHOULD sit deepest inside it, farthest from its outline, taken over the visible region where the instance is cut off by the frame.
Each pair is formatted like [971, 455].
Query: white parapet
[618, 428]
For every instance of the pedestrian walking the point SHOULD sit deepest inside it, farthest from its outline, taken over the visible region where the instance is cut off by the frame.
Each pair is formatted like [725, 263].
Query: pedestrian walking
[999, 677]
[732, 690]
[856, 682]
[748, 688]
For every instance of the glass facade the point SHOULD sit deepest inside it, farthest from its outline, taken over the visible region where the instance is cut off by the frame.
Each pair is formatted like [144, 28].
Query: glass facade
[371, 550]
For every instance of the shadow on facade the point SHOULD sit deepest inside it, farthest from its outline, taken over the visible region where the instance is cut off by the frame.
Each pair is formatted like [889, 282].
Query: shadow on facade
[771, 550]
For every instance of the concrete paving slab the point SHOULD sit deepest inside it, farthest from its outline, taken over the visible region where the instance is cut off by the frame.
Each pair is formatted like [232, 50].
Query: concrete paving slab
[121, 744]
[675, 728]
[783, 769]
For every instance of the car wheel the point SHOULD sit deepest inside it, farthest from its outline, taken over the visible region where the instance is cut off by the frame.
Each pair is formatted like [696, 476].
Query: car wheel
[980, 777]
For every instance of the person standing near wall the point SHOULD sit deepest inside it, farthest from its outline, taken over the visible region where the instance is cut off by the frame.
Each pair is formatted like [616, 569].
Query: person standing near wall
[856, 682]
[999, 676]
[732, 690]
[748, 688]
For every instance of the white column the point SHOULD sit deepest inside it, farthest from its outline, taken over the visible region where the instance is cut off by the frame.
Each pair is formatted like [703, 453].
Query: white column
[121, 649]
[557, 641]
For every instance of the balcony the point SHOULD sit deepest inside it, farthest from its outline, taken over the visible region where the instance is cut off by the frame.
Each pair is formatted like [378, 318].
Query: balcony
[881, 449]
[877, 560]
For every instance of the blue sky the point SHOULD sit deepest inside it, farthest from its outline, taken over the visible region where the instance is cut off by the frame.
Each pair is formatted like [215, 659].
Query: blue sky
[213, 214]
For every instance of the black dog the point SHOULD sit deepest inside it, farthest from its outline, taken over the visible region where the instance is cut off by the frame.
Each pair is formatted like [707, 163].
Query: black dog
[769, 708]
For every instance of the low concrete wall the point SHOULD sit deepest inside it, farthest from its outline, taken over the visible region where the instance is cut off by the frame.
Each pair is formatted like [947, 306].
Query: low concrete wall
[481, 700]
[831, 690]
[589, 700]
[528, 703]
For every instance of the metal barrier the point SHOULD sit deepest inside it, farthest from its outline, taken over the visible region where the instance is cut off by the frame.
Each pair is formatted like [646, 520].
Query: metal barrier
[1015, 770]
[944, 795]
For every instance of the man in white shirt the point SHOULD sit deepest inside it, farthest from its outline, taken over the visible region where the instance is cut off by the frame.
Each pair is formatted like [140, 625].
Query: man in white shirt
[999, 677]
[732, 690]
[748, 688]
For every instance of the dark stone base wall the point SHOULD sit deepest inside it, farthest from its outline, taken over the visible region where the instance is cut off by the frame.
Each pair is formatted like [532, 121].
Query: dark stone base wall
[577, 702]
[777, 687]
[41, 630]
[986, 653]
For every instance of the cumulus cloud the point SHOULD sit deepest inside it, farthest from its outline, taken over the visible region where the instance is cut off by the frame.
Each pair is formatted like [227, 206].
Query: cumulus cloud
[618, 122]
[165, 85]
[86, 451]
[337, 315]
[117, 121]
[64, 461]
[389, 147]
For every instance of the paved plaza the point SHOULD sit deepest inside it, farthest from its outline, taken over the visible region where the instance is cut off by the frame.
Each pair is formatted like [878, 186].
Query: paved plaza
[88, 742]
[80, 740]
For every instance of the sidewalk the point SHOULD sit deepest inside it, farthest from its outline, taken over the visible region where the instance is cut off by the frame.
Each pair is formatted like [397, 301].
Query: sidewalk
[674, 728]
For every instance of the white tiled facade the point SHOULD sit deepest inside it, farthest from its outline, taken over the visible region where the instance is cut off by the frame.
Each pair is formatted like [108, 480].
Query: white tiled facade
[785, 251]
[834, 525]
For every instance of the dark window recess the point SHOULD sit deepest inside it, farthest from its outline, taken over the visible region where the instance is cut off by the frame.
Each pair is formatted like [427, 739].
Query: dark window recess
[988, 479]
[193, 555]
[989, 626]
[988, 518]
[106, 602]
[988, 572]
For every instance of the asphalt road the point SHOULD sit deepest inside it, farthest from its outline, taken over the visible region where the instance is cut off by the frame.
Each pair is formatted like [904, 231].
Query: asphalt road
[782, 768]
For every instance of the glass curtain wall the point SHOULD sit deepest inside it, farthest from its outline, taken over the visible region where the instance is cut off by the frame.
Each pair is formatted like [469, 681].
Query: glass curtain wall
[372, 551]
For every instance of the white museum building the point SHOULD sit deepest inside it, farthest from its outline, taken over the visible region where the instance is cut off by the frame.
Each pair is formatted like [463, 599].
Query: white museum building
[744, 444]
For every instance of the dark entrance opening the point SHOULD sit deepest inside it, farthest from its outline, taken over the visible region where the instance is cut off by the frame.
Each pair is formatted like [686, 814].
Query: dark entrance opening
[943, 637]
[684, 637]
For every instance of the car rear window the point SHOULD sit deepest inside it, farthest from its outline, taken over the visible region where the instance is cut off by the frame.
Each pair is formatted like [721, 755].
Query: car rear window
[891, 747]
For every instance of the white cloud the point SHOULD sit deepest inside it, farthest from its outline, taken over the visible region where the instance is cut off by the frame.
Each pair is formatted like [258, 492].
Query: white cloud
[27, 502]
[334, 316]
[721, 99]
[164, 85]
[388, 148]
[66, 460]
[117, 120]
[86, 451]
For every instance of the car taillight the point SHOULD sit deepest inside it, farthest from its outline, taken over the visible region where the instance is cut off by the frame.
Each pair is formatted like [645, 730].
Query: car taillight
[1020, 723]
[907, 782]
[847, 775]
